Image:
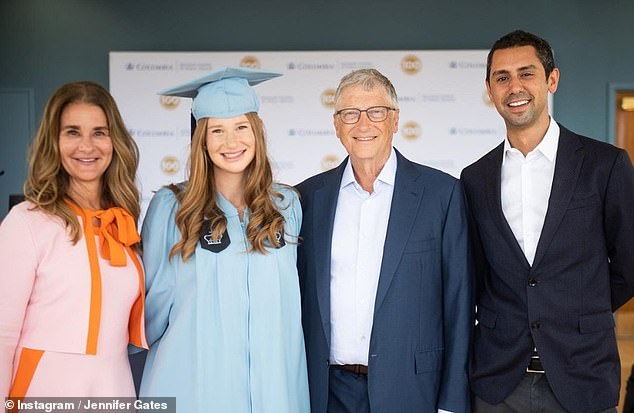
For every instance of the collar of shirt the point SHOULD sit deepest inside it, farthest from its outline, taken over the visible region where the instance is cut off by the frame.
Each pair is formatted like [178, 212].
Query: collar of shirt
[227, 207]
[386, 176]
[547, 147]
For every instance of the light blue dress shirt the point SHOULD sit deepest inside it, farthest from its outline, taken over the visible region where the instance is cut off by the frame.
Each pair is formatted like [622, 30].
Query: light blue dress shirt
[224, 328]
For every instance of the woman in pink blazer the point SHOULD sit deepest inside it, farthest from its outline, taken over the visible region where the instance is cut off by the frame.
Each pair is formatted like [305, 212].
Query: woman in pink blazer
[71, 285]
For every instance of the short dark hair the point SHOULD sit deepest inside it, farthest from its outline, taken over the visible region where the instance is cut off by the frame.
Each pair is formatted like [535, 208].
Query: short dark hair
[519, 38]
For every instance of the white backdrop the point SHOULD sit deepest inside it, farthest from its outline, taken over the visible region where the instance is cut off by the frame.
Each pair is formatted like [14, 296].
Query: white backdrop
[446, 119]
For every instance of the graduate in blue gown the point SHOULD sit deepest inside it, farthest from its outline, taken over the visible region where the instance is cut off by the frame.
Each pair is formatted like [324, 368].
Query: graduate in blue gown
[223, 304]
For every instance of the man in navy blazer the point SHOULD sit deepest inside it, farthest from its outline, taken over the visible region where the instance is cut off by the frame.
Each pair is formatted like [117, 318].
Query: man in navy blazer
[553, 231]
[385, 270]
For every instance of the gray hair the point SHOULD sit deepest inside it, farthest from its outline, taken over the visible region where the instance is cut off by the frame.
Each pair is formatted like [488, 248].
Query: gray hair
[369, 79]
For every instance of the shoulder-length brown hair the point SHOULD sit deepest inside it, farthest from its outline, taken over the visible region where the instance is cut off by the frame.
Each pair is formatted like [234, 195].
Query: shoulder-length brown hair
[47, 182]
[198, 198]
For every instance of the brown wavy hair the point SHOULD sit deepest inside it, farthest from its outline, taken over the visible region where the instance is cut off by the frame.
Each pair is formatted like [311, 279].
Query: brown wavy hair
[198, 197]
[47, 182]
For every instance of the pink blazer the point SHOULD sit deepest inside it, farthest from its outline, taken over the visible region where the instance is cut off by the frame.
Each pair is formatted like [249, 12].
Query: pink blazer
[47, 300]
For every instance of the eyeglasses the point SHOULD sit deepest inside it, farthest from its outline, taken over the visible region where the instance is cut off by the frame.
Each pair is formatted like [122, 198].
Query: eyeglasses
[352, 115]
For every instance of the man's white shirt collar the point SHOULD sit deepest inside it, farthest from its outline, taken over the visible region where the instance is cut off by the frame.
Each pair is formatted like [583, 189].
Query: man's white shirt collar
[547, 147]
[387, 174]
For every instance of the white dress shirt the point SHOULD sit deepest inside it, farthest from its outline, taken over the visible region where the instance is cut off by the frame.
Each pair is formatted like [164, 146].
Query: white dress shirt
[357, 252]
[525, 188]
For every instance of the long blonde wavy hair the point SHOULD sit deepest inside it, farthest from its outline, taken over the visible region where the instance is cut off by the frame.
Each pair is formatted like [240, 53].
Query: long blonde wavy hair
[47, 183]
[198, 198]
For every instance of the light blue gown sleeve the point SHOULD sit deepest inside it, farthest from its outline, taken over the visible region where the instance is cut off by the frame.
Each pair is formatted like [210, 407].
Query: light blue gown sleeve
[295, 217]
[291, 209]
[159, 234]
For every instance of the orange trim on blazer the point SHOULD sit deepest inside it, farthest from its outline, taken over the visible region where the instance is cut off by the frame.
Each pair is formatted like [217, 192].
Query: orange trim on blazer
[94, 319]
[29, 359]
[136, 324]
[117, 233]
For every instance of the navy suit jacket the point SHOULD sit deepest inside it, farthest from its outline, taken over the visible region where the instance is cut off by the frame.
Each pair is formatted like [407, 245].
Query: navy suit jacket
[563, 303]
[418, 359]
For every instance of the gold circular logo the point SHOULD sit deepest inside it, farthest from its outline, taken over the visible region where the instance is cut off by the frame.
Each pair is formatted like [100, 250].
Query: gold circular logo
[170, 165]
[250, 62]
[410, 130]
[329, 161]
[411, 64]
[486, 99]
[328, 98]
[169, 102]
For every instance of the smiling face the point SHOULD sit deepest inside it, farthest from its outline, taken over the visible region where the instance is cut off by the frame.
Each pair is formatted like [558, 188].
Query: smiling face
[519, 88]
[366, 141]
[85, 146]
[230, 145]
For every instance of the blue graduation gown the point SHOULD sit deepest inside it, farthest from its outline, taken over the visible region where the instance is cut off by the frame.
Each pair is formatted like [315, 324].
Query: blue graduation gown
[224, 328]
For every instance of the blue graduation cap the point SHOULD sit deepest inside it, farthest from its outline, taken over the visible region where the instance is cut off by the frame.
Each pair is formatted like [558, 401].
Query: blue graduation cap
[223, 93]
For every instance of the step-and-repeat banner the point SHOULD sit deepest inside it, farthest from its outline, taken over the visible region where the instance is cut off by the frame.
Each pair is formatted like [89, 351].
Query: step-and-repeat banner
[446, 118]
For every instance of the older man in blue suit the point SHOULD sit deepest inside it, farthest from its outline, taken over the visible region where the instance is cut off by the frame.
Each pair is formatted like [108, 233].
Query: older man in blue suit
[384, 270]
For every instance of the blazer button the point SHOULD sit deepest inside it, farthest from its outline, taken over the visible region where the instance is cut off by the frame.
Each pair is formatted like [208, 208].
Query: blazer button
[535, 325]
[532, 282]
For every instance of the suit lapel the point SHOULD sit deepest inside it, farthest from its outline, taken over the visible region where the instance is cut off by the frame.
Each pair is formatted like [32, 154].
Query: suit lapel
[493, 182]
[325, 206]
[569, 159]
[408, 192]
